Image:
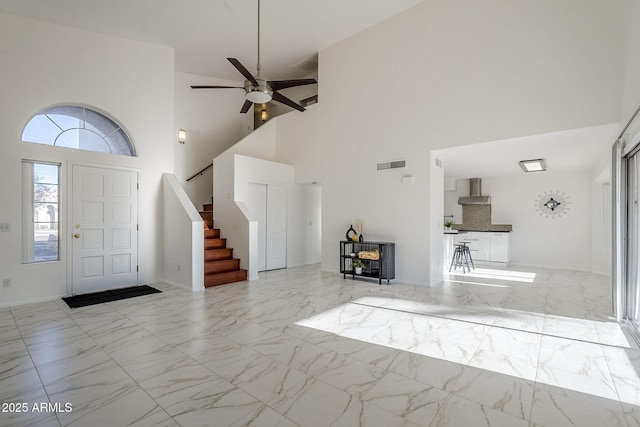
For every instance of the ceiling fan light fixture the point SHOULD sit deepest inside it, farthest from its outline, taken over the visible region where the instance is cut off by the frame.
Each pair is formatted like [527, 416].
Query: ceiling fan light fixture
[259, 89]
[258, 97]
[258, 94]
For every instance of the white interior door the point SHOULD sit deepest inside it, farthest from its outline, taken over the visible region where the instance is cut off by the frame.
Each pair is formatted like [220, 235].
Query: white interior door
[258, 207]
[105, 223]
[268, 205]
[276, 227]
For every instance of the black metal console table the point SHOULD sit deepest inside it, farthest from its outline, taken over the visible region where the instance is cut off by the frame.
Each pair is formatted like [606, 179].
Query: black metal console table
[383, 268]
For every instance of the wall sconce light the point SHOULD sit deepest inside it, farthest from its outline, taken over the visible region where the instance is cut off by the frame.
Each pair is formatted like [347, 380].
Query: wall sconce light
[182, 136]
[263, 115]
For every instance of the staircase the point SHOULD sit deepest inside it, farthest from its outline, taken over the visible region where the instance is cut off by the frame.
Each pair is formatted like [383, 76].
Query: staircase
[220, 267]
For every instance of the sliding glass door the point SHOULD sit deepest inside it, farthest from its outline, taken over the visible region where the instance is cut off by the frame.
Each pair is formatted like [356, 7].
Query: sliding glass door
[625, 271]
[632, 286]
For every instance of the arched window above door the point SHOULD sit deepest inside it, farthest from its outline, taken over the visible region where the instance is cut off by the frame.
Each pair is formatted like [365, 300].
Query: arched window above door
[80, 128]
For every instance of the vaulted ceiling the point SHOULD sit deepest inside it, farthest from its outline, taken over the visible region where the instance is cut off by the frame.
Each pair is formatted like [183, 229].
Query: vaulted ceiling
[205, 32]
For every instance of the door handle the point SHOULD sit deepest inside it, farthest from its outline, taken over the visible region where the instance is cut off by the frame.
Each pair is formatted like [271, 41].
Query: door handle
[77, 235]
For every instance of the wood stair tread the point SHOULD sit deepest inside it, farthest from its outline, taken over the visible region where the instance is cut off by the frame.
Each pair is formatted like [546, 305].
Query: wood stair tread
[221, 266]
[224, 278]
[215, 243]
[218, 254]
[212, 233]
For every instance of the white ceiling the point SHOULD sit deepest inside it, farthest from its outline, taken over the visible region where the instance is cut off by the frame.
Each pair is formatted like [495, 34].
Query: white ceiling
[205, 32]
[571, 150]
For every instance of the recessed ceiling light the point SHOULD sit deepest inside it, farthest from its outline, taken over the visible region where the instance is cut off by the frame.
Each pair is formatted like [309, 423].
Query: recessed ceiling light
[536, 165]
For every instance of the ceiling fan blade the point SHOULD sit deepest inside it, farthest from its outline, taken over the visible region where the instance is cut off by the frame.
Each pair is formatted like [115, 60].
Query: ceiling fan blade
[283, 84]
[245, 107]
[247, 75]
[284, 100]
[216, 87]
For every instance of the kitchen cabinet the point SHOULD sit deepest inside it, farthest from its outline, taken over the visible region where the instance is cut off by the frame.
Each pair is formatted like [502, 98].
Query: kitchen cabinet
[500, 247]
[479, 244]
[487, 246]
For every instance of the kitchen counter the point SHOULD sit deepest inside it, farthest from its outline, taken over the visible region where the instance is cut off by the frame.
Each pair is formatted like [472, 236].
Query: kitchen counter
[496, 228]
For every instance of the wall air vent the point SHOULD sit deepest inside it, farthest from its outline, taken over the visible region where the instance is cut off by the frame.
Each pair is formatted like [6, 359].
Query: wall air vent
[392, 165]
[310, 65]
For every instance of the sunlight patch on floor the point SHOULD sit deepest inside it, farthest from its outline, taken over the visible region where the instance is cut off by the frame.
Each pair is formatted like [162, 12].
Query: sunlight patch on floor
[495, 274]
[493, 285]
[425, 329]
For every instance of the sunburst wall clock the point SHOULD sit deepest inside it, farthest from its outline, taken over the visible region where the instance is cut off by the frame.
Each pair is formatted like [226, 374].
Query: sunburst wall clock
[552, 204]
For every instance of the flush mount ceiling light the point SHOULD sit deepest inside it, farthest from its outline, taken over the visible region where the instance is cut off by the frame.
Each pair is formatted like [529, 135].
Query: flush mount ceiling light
[536, 165]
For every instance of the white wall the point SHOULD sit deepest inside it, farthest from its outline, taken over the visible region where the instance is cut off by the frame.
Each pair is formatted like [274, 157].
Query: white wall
[444, 73]
[563, 242]
[183, 255]
[451, 206]
[251, 169]
[45, 64]
[631, 64]
[213, 123]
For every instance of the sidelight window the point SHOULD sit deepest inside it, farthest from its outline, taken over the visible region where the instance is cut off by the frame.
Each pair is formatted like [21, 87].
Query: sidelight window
[41, 207]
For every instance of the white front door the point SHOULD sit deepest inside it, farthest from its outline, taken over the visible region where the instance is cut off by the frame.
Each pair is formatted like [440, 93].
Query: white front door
[104, 232]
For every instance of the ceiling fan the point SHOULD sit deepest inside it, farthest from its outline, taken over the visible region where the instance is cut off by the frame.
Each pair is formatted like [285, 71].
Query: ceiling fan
[259, 89]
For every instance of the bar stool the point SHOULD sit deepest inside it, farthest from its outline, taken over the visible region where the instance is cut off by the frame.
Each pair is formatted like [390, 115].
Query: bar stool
[460, 257]
[467, 254]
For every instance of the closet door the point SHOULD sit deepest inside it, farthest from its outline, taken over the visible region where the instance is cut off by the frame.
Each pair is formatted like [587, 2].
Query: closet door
[257, 204]
[276, 227]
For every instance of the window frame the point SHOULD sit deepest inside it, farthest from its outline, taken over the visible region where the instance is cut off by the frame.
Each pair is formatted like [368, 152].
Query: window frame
[29, 222]
[90, 120]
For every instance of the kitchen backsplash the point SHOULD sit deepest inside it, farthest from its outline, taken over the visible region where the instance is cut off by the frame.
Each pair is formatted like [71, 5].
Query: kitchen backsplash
[476, 217]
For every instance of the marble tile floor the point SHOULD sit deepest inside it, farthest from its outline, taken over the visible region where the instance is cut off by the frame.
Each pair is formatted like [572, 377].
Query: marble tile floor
[516, 347]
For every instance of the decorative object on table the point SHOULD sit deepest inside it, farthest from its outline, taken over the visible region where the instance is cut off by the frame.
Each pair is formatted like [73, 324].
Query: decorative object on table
[351, 233]
[448, 224]
[552, 204]
[358, 266]
[372, 255]
[360, 229]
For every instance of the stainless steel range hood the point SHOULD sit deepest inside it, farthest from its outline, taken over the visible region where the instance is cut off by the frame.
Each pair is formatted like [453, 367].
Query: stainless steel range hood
[475, 194]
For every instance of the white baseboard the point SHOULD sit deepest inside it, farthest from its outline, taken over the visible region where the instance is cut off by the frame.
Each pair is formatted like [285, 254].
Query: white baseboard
[32, 301]
[178, 285]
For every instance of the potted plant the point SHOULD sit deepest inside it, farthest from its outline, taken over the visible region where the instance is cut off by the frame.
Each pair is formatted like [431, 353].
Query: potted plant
[448, 224]
[358, 266]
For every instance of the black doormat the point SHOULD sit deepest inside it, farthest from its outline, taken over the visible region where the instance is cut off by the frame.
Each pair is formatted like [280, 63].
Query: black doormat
[107, 296]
